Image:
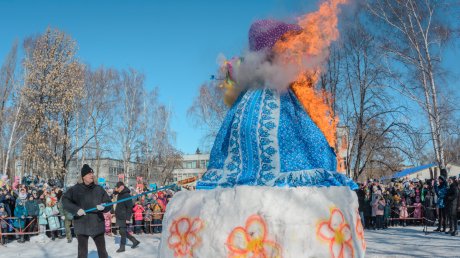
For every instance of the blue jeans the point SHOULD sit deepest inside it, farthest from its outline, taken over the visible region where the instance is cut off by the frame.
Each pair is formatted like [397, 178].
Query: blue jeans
[138, 227]
[157, 226]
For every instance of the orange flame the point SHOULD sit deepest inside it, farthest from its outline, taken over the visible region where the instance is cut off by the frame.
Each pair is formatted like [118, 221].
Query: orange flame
[308, 49]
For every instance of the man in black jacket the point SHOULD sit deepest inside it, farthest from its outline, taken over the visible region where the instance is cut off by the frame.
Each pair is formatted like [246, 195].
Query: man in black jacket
[123, 213]
[451, 197]
[81, 197]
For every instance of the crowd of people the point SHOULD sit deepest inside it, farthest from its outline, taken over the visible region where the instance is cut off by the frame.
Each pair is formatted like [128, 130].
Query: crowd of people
[33, 208]
[402, 202]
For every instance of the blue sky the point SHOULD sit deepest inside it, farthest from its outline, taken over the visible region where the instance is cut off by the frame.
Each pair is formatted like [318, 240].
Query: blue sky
[175, 43]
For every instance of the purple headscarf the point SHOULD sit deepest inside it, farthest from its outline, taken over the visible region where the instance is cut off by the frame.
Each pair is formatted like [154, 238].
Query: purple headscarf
[263, 34]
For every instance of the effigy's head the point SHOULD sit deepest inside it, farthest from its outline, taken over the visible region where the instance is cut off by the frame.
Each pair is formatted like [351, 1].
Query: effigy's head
[263, 34]
[256, 67]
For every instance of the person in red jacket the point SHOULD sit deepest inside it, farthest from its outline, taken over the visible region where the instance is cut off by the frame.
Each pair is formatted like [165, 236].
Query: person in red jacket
[138, 217]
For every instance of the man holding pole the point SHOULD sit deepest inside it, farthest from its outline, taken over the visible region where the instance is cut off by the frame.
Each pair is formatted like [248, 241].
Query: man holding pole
[123, 213]
[84, 196]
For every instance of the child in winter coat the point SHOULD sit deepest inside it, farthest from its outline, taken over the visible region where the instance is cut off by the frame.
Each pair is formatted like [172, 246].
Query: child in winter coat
[108, 223]
[138, 217]
[157, 217]
[42, 222]
[148, 217]
[20, 212]
[51, 212]
[418, 208]
[32, 213]
[403, 214]
[3, 224]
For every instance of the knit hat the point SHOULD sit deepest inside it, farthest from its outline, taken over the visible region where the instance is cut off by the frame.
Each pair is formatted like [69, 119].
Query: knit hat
[85, 170]
[263, 34]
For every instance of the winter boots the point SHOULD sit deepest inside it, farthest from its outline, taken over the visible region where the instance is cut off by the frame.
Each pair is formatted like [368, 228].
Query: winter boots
[121, 249]
[135, 243]
[21, 239]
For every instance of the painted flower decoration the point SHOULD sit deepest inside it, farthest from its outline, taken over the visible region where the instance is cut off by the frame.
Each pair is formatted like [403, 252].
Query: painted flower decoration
[184, 237]
[337, 233]
[251, 241]
[360, 231]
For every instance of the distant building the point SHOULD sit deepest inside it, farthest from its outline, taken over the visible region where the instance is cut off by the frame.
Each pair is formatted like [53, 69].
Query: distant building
[193, 165]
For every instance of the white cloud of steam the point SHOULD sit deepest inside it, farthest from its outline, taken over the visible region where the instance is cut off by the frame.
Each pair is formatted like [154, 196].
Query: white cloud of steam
[260, 69]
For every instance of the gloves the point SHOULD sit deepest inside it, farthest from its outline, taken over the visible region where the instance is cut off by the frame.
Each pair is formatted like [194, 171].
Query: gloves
[128, 221]
[100, 207]
[63, 217]
[81, 212]
[55, 212]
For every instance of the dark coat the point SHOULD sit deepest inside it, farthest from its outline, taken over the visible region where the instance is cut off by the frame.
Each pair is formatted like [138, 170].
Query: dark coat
[81, 196]
[361, 196]
[124, 210]
[458, 197]
[452, 197]
[32, 208]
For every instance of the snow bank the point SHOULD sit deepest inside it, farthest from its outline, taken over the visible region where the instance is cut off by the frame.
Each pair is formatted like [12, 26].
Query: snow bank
[270, 221]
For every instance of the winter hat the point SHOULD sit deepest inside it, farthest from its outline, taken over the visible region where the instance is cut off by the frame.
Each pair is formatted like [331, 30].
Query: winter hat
[85, 170]
[51, 201]
[263, 34]
[119, 183]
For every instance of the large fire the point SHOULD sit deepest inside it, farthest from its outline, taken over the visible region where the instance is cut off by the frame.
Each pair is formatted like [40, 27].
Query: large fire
[307, 49]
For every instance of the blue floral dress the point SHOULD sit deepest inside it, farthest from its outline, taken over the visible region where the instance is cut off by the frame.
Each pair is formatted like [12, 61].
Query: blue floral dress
[267, 139]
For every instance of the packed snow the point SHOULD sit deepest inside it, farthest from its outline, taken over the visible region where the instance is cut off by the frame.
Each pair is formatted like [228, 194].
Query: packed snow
[392, 242]
[61, 249]
[410, 242]
[238, 220]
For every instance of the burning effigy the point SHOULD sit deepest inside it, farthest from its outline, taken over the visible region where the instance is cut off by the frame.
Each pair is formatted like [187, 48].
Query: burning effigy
[272, 188]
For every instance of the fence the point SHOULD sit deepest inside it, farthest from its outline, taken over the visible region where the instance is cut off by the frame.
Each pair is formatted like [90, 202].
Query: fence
[8, 224]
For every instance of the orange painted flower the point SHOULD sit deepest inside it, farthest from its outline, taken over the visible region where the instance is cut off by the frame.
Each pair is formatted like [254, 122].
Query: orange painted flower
[360, 231]
[337, 233]
[251, 241]
[184, 236]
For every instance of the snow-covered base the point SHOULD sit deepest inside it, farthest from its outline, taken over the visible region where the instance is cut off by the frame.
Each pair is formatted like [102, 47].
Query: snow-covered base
[249, 221]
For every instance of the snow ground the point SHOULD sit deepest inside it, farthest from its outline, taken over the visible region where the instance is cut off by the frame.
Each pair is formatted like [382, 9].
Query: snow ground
[392, 242]
[410, 242]
[60, 248]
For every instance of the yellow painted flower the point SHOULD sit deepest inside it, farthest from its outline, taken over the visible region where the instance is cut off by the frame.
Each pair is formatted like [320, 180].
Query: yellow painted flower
[184, 237]
[251, 241]
[337, 233]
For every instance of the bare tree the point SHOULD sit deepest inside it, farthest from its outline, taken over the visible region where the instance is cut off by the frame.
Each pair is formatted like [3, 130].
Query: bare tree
[414, 34]
[366, 106]
[159, 154]
[7, 83]
[127, 114]
[208, 110]
[95, 110]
